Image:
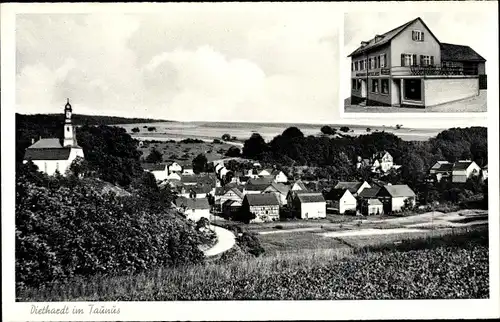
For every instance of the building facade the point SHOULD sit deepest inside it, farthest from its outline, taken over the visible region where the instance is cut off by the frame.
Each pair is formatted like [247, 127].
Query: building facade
[409, 67]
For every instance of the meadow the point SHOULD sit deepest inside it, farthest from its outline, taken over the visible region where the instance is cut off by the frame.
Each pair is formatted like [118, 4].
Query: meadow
[454, 266]
[176, 150]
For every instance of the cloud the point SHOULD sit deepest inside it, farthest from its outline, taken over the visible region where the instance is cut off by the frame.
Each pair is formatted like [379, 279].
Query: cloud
[201, 63]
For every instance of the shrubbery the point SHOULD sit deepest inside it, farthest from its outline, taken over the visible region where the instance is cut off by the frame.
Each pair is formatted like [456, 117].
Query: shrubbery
[65, 228]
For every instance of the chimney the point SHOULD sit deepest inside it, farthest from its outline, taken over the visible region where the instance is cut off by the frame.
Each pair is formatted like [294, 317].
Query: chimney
[364, 43]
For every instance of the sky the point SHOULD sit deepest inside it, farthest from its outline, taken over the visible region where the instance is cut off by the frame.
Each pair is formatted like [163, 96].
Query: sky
[474, 28]
[230, 62]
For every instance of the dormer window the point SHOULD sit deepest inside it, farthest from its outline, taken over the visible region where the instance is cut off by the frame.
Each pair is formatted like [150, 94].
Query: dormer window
[417, 35]
[378, 38]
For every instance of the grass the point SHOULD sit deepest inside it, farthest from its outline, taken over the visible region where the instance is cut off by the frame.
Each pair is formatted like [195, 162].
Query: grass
[290, 242]
[453, 266]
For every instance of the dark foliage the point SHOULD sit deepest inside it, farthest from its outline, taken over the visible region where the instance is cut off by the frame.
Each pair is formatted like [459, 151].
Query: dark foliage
[233, 152]
[200, 163]
[154, 156]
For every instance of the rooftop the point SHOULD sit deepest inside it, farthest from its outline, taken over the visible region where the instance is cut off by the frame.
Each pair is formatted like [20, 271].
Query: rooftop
[399, 190]
[154, 166]
[370, 192]
[47, 153]
[351, 186]
[452, 52]
[310, 197]
[262, 199]
[198, 203]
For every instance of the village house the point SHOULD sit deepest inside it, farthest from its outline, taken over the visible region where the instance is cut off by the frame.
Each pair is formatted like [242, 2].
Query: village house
[308, 205]
[372, 206]
[280, 190]
[255, 186]
[187, 170]
[441, 170]
[341, 200]
[409, 67]
[197, 191]
[230, 193]
[159, 170]
[252, 174]
[298, 185]
[355, 188]
[174, 167]
[382, 161]
[193, 209]
[231, 208]
[276, 175]
[463, 170]
[52, 155]
[173, 176]
[265, 207]
[395, 197]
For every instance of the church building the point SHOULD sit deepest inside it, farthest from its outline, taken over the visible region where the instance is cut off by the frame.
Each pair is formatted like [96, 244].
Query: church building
[56, 154]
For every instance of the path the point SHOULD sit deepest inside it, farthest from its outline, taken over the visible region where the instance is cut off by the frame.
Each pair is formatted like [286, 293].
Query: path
[294, 230]
[225, 241]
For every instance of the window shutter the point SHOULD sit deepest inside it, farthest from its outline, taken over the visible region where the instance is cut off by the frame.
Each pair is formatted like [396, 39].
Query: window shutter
[421, 60]
[432, 60]
[414, 59]
[402, 59]
[422, 36]
[413, 34]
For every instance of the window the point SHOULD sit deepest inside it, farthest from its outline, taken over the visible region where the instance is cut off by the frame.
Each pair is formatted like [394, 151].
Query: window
[408, 60]
[382, 60]
[417, 35]
[361, 65]
[378, 62]
[372, 62]
[375, 85]
[354, 84]
[356, 66]
[359, 84]
[426, 60]
[385, 86]
[352, 66]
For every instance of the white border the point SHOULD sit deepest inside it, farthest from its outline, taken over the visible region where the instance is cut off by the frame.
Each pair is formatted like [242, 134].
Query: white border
[234, 310]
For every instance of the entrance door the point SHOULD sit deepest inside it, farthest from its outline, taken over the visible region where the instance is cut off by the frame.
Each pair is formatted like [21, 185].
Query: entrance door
[396, 92]
[413, 89]
[363, 88]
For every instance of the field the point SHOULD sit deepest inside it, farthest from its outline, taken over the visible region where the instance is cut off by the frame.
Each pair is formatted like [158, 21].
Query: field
[185, 151]
[449, 267]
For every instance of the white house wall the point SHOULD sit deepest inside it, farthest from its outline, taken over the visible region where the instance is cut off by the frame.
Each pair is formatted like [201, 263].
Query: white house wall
[442, 90]
[399, 202]
[313, 210]
[197, 214]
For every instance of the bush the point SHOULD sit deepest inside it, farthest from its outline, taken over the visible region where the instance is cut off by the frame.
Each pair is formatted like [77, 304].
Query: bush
[250, 243]
[190, 141]
[151, 128]
[136, 130]
[233, 152]
[344, 129]
[278, 227]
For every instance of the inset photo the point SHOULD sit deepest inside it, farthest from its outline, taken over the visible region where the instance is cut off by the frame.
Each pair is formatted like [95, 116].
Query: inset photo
[415, 62]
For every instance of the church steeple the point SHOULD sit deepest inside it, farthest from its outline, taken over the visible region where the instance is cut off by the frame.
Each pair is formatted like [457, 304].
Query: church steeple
[68, 127]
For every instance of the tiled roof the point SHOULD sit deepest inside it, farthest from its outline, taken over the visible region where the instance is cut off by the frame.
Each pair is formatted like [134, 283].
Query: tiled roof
[461, 165]
[351, 186]
[300, 184]
[262, 199]
[197, 178]
[231, 203]
[438, 164]
[310, 197]
[197, 203]
[282, 188]
[47, 154]
[387, 37]
[399, 190]
[336, 193]
[204, 188]
[374, 202]
[369, 192]
[46, 144]
[256, 187]
[451, 52]
[236, 191]
[154, 166]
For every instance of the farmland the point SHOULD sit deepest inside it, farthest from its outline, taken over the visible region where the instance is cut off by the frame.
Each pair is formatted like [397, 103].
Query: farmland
[176, 150]
[452, 266]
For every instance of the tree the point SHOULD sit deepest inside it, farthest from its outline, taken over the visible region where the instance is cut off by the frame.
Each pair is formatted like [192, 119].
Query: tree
[226, 137]
[233, 152]
[151, 128]
[255, 147]
[200, 163]
[154, 157]
[368, 129]
[344, 129]
[136, 130]
[326, 129]
[292, 133]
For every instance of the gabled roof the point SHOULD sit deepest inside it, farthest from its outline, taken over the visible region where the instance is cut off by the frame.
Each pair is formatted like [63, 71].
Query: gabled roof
[197, 178]
[438, 164]
[154, 166]
[369, 192]
[351, 186]
[203, 188]
[461, 165]
[374, 202]
[256, 186]
[47, 154]
[336, 193]
[387, 37]
[442, 166]
[262, 199]
[46, 144]
[399, 190]
[231, 203]
[236, 191]
[282, 188]
[452, 52]
[197, 203]
[300, 184]
[310, 197]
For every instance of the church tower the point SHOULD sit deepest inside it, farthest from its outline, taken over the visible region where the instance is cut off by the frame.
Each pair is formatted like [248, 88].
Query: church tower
[68, 127]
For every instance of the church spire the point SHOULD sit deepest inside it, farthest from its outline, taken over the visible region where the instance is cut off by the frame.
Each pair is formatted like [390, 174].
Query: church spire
[68, 127]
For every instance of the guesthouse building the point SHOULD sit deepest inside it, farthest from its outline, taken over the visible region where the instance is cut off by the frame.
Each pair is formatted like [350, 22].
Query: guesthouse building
[409, 67]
